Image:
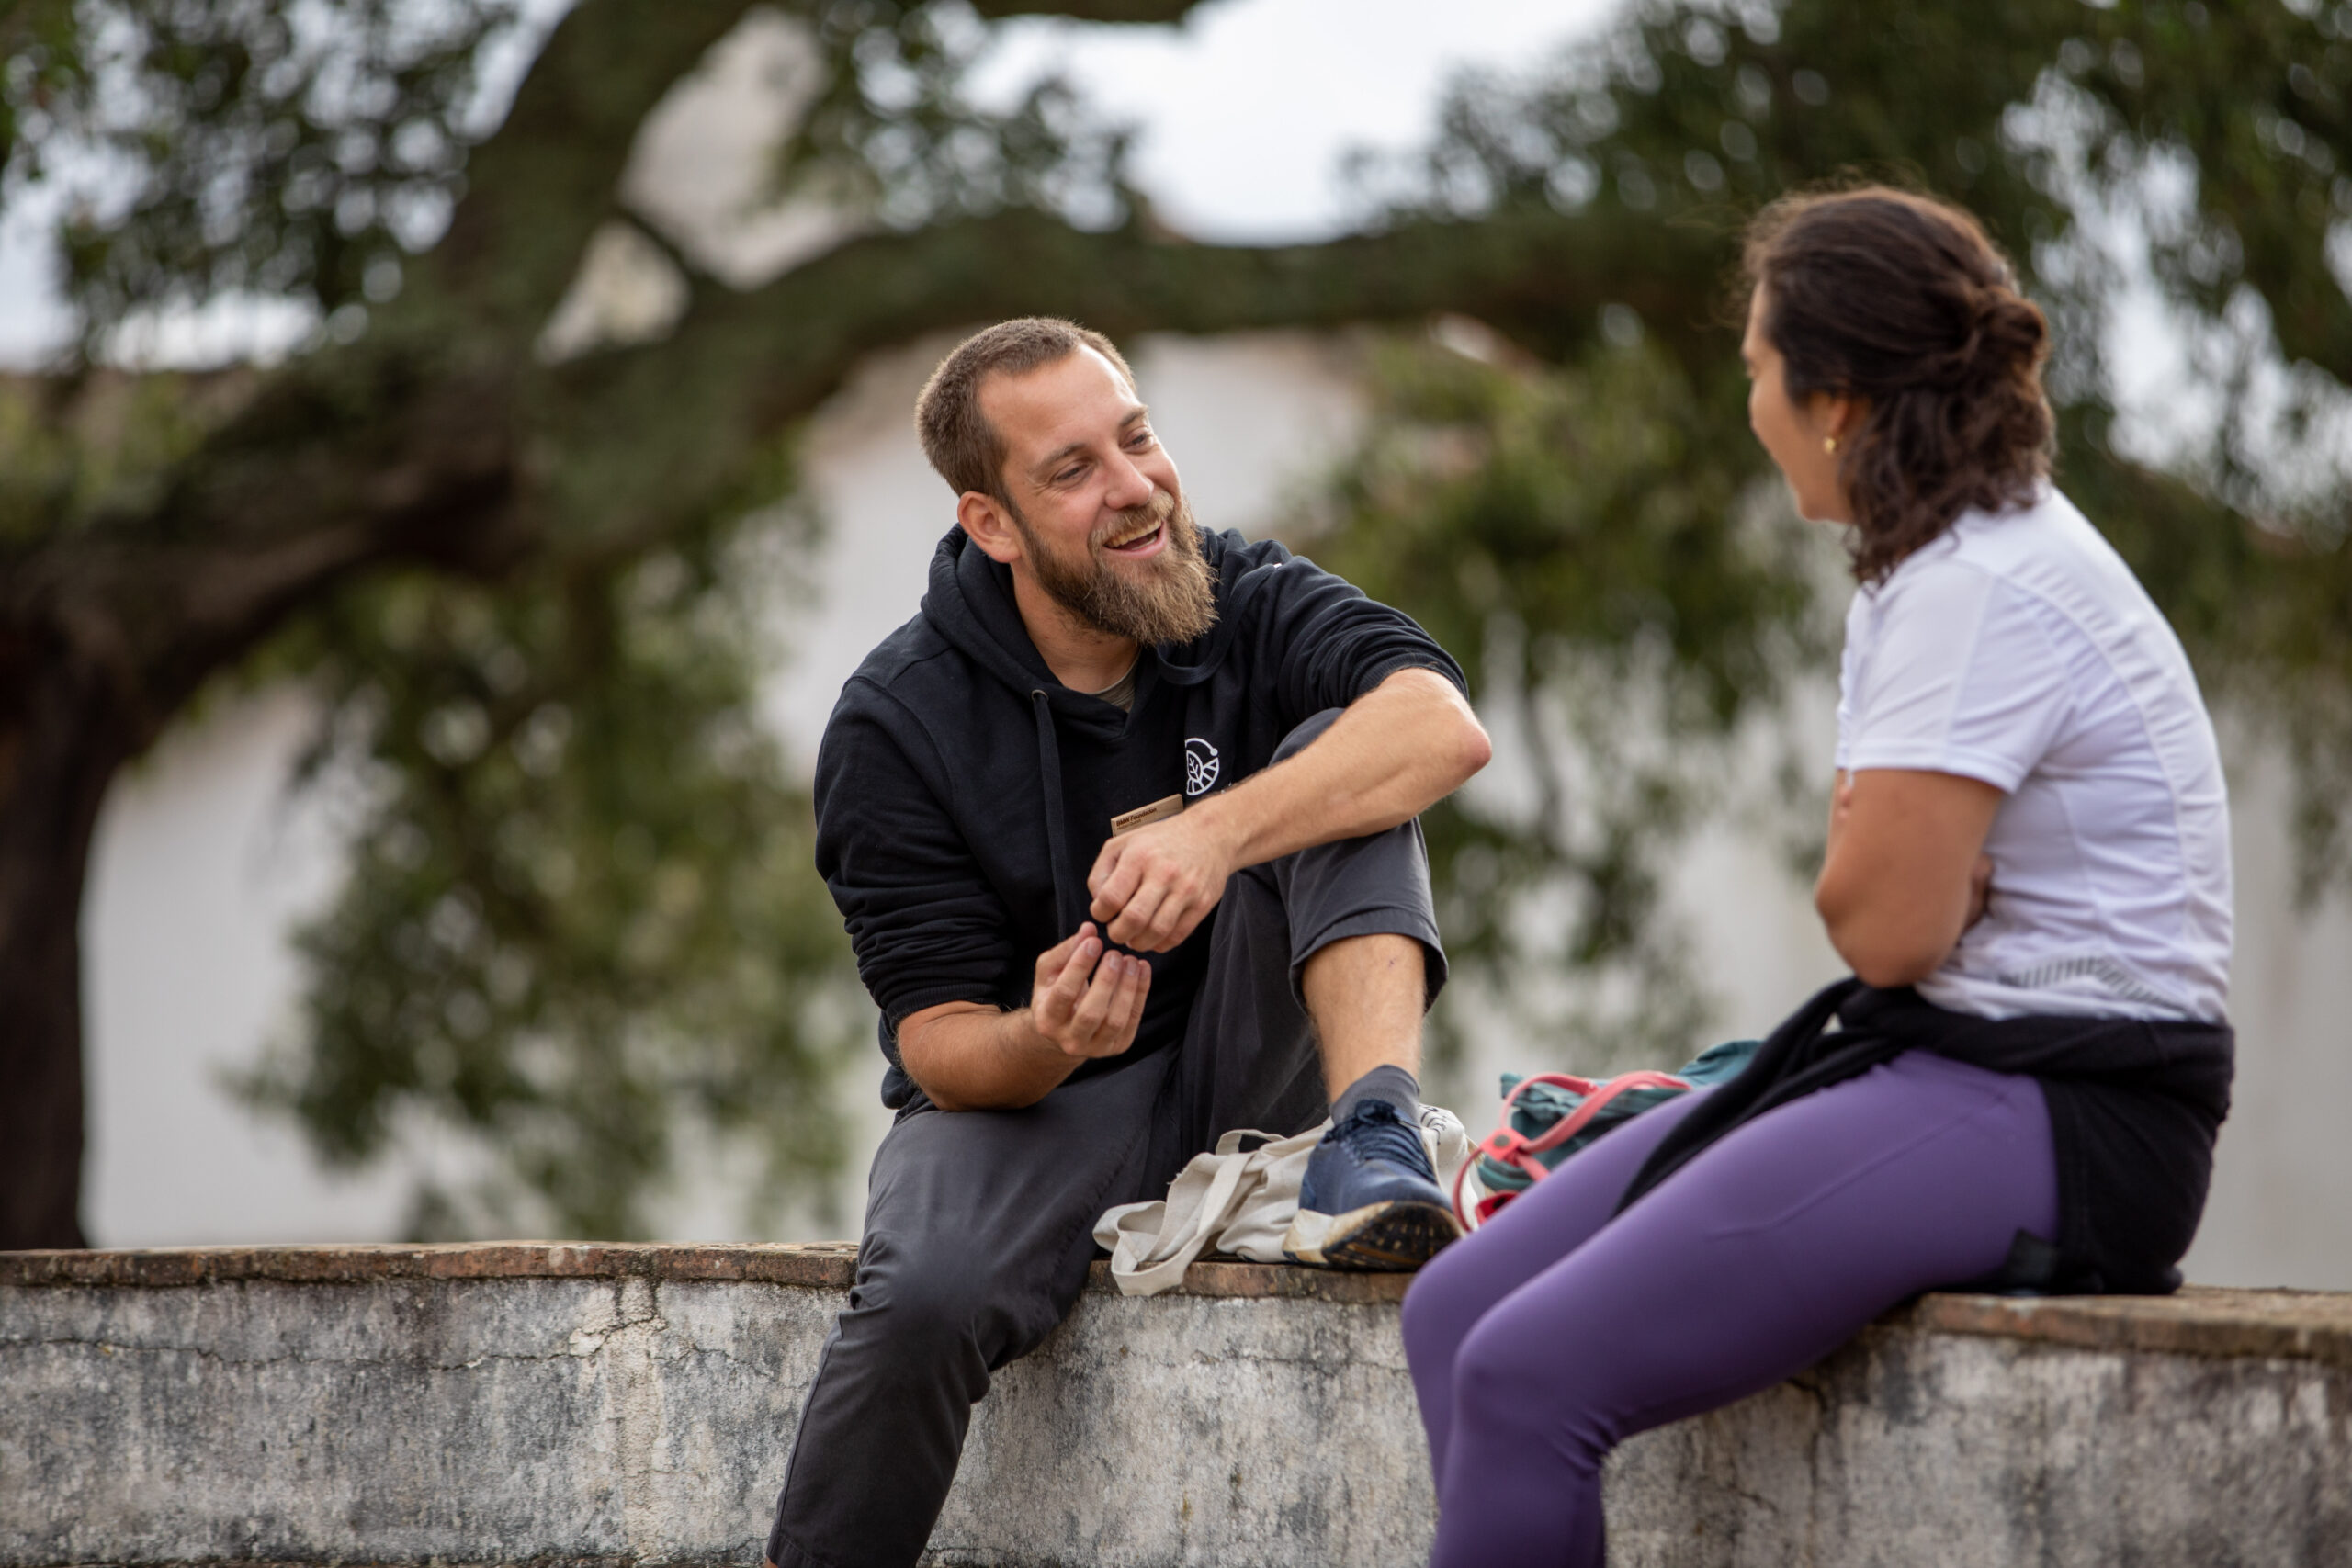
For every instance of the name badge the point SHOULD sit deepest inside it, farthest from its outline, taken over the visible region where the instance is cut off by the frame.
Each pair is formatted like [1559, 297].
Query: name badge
[1144, 816]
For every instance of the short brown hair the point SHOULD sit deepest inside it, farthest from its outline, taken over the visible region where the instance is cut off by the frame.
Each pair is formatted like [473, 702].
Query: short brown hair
[1904, 302]
[955, 436]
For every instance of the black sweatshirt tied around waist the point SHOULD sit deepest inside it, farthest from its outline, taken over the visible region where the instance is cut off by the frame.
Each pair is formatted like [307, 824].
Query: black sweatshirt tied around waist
[2135, 1106]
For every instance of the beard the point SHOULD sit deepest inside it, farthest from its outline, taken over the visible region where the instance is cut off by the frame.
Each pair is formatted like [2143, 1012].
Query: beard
[1170, 598]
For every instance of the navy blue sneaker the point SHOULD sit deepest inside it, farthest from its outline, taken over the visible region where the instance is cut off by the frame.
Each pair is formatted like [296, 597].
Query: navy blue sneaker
[1368, 1198]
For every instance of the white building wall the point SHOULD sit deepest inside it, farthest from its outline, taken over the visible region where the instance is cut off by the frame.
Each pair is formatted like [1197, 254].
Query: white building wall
[201, 862]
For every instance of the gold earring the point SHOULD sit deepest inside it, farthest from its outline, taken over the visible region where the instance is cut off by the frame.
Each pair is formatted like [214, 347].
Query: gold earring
[1829, 444]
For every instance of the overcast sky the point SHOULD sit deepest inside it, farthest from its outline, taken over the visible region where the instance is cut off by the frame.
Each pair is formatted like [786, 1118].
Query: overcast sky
[1249, 107]
[1246, 111]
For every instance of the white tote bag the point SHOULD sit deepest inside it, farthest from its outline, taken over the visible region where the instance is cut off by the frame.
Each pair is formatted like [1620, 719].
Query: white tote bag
[1240, 1203]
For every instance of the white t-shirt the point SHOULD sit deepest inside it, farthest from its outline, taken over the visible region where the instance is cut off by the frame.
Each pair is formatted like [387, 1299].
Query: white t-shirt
[2019, 650]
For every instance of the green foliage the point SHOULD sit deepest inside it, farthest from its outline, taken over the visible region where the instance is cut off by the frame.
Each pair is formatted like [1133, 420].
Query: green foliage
[41, 48]
[304, 154]
[893, 131]
[226, 146]
[2212, 142]
[1569, 532]
[1629, 597]
[110, 454]
[581, 926]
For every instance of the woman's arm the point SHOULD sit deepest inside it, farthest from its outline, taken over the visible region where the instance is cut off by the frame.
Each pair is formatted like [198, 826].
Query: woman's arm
[1905, 873]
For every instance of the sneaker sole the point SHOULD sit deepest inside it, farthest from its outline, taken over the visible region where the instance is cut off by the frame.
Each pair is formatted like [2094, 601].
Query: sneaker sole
[1394, 1236]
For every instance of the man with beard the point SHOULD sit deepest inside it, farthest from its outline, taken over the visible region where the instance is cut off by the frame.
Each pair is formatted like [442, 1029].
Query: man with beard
[1122, 825]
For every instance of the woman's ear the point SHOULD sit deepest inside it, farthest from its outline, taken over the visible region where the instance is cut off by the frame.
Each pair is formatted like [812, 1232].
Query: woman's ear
[985, 522]
[1838, 414]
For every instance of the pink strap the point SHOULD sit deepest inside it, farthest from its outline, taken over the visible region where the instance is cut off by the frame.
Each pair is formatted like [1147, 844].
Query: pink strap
[1507, 1145]
[1569, 1126]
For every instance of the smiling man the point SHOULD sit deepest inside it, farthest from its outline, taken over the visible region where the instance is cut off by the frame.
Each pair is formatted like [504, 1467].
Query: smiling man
[1122, 825]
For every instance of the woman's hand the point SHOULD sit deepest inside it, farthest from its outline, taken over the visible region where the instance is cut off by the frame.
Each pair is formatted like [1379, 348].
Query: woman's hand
[1980, 890]
[1906, 870]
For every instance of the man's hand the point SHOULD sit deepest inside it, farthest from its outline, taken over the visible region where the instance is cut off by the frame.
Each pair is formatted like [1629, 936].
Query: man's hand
[1398, 749]
[971, 1057]
[1152, 888]
[1088, 1002]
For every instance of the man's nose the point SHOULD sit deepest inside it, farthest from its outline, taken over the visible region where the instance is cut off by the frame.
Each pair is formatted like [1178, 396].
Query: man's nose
[1129, 486]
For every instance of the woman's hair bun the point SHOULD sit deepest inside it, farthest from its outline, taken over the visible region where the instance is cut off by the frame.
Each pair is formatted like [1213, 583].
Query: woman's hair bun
[2010, 331]
[2004, 334]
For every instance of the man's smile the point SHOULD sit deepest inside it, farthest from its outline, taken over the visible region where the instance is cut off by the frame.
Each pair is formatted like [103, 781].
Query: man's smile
[1137, 544]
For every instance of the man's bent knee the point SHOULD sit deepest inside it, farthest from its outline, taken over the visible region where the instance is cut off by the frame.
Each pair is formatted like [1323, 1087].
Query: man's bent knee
[949, 1309]
[1305, 735]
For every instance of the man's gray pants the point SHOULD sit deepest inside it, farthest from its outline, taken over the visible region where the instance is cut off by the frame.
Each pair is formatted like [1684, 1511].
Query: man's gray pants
[980, 1223]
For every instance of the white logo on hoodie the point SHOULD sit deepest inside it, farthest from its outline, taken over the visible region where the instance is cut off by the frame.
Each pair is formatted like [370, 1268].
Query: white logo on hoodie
[1201, 765]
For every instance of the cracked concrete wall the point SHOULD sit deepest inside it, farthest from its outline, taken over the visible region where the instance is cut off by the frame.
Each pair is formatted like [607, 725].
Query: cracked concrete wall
[1909, 1448]
[399, 1421]
[636, 1419]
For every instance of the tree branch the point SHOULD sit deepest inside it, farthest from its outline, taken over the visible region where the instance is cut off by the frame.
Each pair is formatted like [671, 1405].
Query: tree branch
[539, 186]
[1091, 10]
[741, 367]
[392, 451]
[438, 439]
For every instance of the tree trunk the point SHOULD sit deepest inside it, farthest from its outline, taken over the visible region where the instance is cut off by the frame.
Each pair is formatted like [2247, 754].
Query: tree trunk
[62, 739]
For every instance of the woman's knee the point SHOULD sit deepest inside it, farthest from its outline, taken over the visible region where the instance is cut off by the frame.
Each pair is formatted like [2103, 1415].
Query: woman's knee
[1494, 1363]
[1514, 1376]
[1442, 1304]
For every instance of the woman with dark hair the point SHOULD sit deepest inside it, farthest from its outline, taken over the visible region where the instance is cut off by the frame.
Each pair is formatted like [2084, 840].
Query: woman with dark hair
[2027, 871]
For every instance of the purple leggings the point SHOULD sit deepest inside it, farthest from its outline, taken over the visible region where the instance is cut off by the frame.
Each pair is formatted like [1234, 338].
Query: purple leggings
[1543, 1339]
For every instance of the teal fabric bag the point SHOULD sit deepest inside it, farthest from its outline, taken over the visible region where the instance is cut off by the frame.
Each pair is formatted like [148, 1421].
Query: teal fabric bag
[1547, 1117]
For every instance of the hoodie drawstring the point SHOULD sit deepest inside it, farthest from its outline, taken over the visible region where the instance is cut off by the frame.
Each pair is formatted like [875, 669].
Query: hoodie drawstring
[1049, 769]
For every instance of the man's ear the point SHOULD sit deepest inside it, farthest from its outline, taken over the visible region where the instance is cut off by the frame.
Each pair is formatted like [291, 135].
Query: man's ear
[984, 519]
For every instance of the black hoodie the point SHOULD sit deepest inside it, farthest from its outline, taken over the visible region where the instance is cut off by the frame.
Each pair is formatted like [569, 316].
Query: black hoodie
[963, 792]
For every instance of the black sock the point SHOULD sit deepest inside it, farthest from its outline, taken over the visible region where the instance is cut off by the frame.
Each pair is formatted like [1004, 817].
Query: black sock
[1395, 1084]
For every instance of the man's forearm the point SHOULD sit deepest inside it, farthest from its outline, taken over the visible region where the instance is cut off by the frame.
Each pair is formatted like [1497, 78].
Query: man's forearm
[965, 1057]
[1396, 751]
[1086, 1002]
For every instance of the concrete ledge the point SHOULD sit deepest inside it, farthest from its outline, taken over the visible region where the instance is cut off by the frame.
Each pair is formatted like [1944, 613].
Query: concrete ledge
[2313, 1325]
[609, 1405]
[825, 1265]
[822, 1265]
